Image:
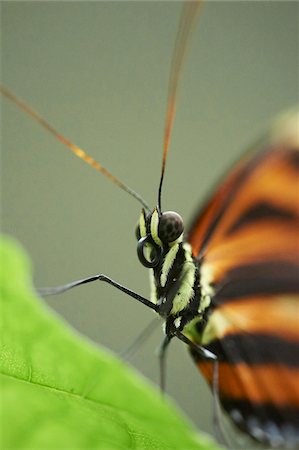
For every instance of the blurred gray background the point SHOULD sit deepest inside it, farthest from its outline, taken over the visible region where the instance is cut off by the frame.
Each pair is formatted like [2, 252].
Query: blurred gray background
[99, 72]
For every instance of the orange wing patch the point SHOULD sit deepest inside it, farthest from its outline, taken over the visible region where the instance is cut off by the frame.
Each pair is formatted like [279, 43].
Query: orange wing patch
[261, 384]
[277, 316]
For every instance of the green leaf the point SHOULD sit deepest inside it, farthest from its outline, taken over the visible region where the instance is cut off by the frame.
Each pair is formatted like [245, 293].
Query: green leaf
[60, 391]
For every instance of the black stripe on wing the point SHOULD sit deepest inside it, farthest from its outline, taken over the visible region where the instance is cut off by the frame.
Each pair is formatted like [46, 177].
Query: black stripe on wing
[264, 278]
[259, 212]
[255, 349]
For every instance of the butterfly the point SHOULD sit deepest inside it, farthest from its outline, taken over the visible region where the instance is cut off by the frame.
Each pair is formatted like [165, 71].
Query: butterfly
[228, 287]
[247, 246]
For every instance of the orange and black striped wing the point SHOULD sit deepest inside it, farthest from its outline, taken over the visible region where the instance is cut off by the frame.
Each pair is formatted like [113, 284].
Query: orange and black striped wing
[246, 240]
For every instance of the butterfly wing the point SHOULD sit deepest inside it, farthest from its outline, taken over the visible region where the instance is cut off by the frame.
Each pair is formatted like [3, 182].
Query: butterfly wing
[247, 244]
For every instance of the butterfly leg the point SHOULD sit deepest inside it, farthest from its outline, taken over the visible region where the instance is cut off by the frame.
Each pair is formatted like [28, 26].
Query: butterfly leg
[198, 348]
[206, 354]
[60, 289]
[162, 359]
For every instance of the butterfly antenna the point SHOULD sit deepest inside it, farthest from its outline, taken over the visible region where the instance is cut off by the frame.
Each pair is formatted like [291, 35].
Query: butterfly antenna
[187, 21]
[74, 148]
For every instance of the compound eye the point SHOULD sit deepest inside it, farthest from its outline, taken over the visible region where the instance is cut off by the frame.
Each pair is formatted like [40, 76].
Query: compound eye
[149, 254]
[170, 226]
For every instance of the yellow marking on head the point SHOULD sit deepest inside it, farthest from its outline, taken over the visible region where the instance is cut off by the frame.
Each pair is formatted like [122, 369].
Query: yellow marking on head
[167, 264]
[142, 226]
[154, 228]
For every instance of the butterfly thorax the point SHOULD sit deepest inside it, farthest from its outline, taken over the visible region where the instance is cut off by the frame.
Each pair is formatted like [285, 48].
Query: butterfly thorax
[174, 272]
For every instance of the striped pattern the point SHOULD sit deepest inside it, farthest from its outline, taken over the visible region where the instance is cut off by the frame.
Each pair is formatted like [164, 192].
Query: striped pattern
[176, 285]
[246, 239]
[168, 263]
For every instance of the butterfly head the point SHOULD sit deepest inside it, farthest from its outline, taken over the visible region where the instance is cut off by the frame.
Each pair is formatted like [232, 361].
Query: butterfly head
[156, 232]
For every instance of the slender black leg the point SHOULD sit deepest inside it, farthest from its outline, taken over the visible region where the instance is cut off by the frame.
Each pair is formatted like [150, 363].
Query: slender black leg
[60, 289]
[206, 354]
[198, 348]
[162, 359]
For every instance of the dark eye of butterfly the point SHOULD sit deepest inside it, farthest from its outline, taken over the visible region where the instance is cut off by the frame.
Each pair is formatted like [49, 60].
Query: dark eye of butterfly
[170, 227]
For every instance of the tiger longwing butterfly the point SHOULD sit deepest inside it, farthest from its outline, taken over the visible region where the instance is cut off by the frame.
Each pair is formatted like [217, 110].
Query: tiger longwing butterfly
[231, 286]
